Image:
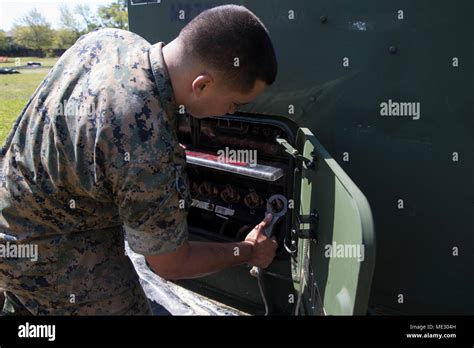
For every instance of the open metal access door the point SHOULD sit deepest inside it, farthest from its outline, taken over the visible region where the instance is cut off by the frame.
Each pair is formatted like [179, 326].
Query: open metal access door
[334, 238]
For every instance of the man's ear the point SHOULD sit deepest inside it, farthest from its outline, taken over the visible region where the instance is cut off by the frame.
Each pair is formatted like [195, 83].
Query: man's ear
[200, 83]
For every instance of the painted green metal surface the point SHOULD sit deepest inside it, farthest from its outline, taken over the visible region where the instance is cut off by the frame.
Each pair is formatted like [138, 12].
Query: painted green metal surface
[389, 158]
[341, 259]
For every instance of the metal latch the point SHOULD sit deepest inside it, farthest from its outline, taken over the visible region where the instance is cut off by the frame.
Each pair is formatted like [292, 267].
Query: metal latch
[309, 162]
[307, 225]
[144, 2]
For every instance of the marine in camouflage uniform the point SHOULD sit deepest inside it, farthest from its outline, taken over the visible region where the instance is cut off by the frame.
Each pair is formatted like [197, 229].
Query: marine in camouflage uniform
[77, 184]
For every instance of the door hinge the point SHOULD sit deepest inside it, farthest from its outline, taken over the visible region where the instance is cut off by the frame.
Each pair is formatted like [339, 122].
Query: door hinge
[307, 225]
[310, 163]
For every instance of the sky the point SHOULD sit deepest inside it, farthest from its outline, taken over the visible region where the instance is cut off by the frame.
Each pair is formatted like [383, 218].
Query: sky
[11, 10]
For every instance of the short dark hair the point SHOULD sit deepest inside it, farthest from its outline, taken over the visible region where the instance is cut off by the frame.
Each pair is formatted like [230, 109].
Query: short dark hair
[221, 34]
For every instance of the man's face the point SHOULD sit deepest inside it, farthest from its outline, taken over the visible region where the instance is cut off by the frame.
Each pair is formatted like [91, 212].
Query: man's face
[211, 98]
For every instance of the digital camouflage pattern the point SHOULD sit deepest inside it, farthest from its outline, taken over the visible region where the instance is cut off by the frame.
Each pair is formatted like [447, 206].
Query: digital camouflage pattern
[93, 158]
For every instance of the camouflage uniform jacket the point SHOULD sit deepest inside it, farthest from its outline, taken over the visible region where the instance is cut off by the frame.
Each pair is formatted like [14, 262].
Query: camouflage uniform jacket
[93, 158]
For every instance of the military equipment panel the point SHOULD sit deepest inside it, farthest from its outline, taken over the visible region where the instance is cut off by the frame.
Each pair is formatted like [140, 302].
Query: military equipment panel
[387, 89]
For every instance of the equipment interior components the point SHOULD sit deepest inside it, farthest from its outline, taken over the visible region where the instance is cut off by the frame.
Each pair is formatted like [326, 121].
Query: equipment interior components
[235, 165]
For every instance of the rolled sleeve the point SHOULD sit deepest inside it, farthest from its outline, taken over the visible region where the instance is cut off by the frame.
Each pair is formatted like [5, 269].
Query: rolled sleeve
[163, 242]
[153, 204]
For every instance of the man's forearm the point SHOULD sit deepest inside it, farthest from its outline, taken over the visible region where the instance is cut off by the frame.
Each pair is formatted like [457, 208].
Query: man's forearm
[197, 259]
[203, 258]
[206, 258]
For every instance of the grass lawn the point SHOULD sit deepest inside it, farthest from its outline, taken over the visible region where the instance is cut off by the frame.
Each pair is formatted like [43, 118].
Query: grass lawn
[16, 89]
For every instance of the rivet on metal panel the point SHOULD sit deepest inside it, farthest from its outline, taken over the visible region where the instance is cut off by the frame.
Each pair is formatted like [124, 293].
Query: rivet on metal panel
[393, 49]
[323, 19]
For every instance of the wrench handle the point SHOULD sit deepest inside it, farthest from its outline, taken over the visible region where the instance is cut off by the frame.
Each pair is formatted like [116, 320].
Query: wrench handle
[268, 231]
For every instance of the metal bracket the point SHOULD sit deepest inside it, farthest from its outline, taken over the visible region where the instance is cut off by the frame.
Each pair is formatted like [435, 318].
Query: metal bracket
[307, 225]
[310, 163]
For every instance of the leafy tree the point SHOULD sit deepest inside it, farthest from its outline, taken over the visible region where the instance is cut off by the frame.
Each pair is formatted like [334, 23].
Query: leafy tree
[33, 31]
[3, 40]
[85, 13]
[69, 21]
[114, 15]
[64, 38]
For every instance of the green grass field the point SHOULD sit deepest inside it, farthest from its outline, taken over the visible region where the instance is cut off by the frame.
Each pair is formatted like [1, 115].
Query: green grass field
[16, 89]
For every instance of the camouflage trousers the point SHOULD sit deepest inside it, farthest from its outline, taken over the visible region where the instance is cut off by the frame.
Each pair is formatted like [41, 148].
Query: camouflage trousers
[12, 306]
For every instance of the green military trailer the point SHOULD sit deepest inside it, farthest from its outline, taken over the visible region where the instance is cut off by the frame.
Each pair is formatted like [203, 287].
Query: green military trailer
[372, 103]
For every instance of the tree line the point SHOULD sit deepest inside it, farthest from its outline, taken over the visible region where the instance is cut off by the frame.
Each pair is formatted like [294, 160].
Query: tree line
[33, 32]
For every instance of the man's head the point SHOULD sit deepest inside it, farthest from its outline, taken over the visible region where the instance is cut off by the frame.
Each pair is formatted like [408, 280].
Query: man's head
[221, 59]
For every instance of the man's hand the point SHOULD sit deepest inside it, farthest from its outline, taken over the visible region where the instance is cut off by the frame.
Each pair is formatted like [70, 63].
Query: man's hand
[263, 248]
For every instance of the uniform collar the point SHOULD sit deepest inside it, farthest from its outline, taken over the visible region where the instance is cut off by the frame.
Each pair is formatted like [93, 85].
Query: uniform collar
[163, 81]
